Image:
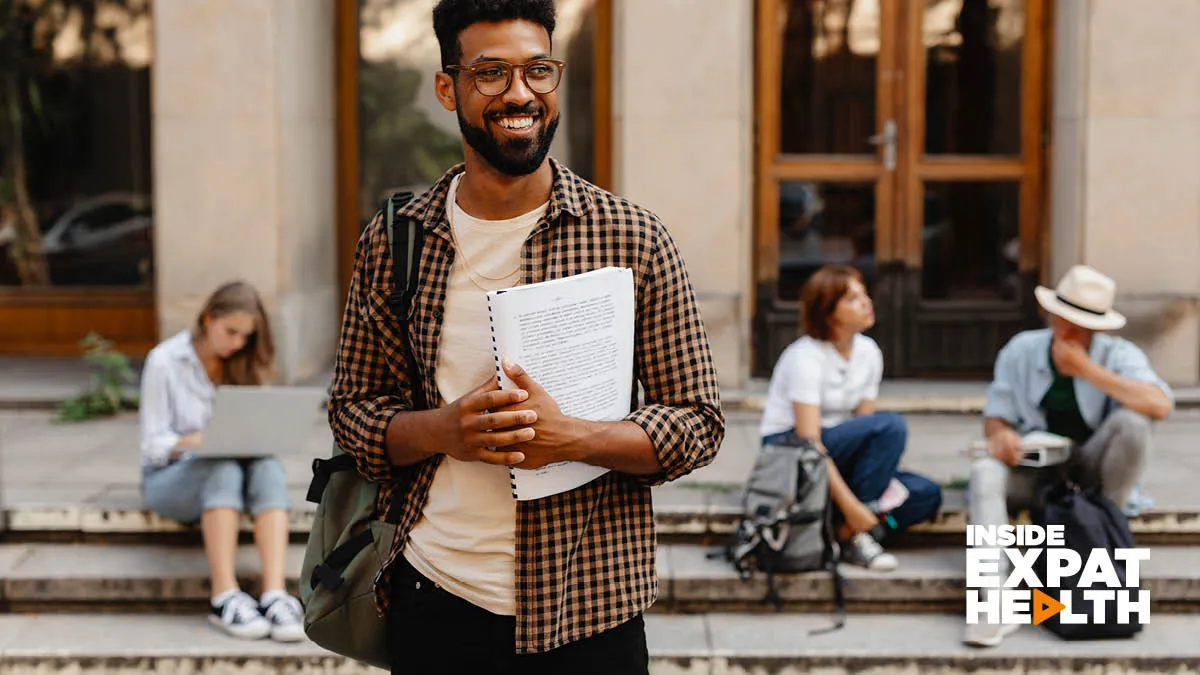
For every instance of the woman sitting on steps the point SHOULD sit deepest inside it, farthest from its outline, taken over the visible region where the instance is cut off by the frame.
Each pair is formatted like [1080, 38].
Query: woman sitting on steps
[230, 344]
[824, 388]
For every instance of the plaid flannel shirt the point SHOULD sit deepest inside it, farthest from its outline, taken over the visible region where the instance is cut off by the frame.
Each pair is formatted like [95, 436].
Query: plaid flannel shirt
[585, 559]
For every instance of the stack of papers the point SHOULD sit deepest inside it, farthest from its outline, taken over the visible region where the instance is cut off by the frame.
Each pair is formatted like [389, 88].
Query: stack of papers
[574, 336]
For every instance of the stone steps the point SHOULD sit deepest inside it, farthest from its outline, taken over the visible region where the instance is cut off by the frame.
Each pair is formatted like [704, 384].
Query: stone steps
[928, 580]
[96, 577]
[704, 644]
[682, 514]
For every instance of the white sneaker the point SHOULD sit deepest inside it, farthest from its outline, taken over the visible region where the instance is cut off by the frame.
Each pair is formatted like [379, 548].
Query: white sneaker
[287, 618]
[987, 634]
[239, 617]
[863, 550]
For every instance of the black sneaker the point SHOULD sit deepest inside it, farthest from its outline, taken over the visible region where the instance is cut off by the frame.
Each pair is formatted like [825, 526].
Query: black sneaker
[287, 618]
[239, 617]
[863, 550]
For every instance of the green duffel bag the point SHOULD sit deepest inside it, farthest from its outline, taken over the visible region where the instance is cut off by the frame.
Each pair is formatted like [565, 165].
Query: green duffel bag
[349, 542]
[346, 549]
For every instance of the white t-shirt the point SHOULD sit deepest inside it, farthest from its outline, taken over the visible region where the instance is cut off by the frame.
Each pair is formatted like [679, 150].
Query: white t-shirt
[465, 540]
[813, 372]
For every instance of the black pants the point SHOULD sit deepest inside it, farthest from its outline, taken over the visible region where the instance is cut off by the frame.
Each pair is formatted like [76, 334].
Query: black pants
[431, 632]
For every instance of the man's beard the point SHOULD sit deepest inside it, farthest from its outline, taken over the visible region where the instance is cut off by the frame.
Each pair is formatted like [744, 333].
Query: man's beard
[514, 157]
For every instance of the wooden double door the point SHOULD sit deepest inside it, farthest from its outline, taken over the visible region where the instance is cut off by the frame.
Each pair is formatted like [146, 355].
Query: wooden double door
[905, 138]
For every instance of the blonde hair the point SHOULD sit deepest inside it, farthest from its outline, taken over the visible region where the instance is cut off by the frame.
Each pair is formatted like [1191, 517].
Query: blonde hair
[253, 363]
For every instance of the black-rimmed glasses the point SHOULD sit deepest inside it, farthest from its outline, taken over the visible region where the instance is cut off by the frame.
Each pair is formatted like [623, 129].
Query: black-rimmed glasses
[493, 78]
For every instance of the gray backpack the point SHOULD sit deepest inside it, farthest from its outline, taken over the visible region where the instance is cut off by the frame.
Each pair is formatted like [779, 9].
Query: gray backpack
[786, 523]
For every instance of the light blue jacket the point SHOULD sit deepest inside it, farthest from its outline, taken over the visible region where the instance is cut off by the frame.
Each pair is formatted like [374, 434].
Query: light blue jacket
[1022, 376]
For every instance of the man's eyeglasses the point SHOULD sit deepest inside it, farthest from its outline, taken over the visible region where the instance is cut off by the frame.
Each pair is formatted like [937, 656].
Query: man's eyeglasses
[493, 78]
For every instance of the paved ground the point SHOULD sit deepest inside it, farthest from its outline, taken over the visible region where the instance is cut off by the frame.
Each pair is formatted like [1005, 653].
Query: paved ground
[51, 462]
[706, 635]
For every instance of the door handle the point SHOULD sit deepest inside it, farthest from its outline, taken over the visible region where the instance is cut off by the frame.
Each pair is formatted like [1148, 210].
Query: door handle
[888, 140]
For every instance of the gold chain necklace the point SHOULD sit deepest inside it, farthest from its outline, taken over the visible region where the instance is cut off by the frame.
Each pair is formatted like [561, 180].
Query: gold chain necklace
[472, 274]
[462, 254]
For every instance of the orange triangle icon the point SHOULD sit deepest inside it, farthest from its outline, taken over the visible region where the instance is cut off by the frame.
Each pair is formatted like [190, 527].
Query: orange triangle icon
[1044, 607]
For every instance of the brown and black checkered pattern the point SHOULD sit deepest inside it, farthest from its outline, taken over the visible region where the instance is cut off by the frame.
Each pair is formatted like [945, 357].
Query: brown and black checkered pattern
[585, 558]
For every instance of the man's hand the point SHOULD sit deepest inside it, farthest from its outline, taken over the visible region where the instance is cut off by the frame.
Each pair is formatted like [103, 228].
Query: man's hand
[554, 434]
[1070, 358]
[483, 419]
[1005, 445]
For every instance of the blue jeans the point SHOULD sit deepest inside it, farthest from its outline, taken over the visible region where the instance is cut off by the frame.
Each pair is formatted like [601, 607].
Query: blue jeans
[184, 490]
[866, 451]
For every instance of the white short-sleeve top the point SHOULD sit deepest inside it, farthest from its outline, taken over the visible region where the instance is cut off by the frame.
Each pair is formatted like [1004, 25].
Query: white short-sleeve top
[813, 372]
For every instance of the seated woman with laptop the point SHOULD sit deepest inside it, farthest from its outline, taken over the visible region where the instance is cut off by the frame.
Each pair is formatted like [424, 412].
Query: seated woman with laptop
[230, 344]
[824, 387]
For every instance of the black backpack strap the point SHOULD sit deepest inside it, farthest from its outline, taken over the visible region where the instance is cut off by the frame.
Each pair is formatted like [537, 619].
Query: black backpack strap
[328, 573]
[839, 601]
[839, 582]
[405, 245]
[323, 470]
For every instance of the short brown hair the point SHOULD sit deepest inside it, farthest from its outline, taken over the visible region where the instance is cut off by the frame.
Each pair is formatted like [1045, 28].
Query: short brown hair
[820, 296]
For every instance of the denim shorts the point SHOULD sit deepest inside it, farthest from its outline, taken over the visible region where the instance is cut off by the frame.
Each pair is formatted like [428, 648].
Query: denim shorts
[185, 489]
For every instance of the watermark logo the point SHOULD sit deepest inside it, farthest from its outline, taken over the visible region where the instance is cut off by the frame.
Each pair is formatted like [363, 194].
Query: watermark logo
[1006, 563]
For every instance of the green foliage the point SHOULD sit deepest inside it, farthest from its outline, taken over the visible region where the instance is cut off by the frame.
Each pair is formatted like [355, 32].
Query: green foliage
[106, 395]
[956, 483]
[401, 146]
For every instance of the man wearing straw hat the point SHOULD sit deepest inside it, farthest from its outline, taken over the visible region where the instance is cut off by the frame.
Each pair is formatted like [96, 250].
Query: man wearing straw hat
[1073, 380]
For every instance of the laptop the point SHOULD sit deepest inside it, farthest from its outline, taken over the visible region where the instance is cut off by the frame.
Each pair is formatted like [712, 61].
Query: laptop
[250, 421]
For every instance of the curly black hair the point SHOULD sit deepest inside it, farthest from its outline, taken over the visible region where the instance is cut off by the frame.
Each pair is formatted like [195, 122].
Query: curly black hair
[452, 17]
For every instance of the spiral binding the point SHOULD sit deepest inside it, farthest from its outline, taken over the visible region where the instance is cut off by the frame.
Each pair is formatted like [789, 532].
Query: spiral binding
[512, 474]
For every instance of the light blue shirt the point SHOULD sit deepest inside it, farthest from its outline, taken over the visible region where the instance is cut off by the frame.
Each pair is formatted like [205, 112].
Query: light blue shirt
[1022, 376]
[176, 400]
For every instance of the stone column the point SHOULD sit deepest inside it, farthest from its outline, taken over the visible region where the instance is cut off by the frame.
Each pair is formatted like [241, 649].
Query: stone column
[683, 123]
[1124, 171]
[243, 166]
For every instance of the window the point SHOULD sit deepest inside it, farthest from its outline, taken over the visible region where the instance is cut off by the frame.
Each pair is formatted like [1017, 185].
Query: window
[75, 189]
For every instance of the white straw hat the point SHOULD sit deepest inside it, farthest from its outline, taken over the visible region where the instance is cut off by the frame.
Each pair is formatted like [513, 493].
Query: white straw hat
[1084, 297]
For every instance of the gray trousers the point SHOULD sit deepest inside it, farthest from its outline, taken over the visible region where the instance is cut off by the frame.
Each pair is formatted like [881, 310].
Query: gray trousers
[1112, 459]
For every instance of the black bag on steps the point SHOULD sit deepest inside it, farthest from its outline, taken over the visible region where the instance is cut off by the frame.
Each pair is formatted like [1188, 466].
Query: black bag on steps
[1091, 521]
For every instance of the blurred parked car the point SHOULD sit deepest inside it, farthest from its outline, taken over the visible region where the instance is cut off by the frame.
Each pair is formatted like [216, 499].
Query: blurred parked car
[105, 240]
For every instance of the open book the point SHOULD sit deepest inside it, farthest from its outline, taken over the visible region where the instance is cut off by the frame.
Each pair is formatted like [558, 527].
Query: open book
[1040, 448]
[574, 336]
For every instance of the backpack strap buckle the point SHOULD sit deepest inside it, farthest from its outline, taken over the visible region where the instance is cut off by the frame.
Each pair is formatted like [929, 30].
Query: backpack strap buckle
[326, 574]
[323, 470]
[327, 577]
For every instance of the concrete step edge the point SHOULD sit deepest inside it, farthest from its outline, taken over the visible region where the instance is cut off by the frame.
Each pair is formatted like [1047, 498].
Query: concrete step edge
[72, 577]
[706, 516]
[736, 402]
[693, 645]
[930, 579]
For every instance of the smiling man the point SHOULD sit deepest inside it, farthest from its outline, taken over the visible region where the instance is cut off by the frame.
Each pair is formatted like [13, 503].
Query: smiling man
[477, 582]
